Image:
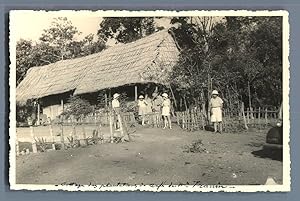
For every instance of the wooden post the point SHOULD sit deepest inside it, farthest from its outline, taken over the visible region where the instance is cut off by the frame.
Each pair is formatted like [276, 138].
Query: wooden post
[193, 125]
[251, 113]
[248, 115]
[266, 116]
[135, 93]
[183, 120]
[52, 136]
[180, 104]
[188, 120]
[62, 140]
[34, 147]
[38, 114]
[259, 117]
[105, 99]
[62, 105]
[244, 117]
[111, 127]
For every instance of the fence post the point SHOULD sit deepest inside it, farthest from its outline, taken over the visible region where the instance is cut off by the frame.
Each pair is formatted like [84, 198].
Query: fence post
[266, 116]
[182, 120]
[244, 117]
[259, 117]
[34, 147]
[248, 120]
[111, 127]
[188, 120]
[62, 140]
[251, 113]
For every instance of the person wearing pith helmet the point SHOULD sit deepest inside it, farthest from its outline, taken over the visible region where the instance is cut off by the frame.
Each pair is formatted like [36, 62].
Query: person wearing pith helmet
[166, 109]
[215, 107]
[116, 109]
[142, 105]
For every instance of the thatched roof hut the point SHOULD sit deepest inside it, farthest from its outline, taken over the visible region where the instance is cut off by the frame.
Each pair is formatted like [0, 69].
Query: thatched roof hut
[149, 59]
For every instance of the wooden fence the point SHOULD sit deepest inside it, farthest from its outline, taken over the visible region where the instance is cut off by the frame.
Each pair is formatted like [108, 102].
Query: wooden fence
[71, 133]
[233, 120]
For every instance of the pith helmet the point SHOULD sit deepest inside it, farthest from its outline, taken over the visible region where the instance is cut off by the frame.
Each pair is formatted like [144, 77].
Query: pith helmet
[215, 92]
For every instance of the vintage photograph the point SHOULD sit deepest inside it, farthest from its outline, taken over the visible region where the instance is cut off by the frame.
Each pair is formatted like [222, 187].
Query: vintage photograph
[149, 100]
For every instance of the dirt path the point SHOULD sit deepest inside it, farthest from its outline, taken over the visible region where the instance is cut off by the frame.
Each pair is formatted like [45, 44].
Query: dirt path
[155, 156]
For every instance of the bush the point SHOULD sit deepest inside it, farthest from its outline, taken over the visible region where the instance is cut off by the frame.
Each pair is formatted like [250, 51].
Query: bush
[77, 108]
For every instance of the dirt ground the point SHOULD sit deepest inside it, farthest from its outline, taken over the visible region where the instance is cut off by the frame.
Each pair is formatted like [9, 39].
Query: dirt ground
[155, 156]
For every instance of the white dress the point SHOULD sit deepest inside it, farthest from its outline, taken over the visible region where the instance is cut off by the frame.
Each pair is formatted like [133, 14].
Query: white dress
[166, 107]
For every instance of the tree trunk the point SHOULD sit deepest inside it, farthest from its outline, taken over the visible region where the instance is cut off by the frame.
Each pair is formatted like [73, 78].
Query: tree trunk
[249, 95]
[175, 103]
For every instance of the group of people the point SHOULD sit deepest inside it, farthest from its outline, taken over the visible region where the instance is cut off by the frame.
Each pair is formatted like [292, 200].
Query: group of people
[158, 105]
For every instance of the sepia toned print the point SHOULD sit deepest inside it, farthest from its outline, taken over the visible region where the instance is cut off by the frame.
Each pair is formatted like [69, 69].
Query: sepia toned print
[149, 100]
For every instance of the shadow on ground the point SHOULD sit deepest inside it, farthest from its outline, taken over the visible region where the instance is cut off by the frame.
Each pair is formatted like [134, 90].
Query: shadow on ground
[275, 154]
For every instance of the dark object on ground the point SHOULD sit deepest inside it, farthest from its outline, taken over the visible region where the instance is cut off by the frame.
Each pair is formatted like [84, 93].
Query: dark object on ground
[209, 128]
[274, 154]
[274, 138]
[273, 145]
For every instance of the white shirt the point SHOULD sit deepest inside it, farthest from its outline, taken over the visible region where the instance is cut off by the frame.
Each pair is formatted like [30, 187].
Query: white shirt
[115, 103]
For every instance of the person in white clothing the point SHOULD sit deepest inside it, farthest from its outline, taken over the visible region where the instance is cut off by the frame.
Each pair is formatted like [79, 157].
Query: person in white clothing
[142, 105]
[116, 109]
[166, 107]
[215, 107]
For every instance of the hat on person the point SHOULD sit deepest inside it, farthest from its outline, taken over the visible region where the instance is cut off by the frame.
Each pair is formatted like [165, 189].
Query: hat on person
[165, 95]
[141, 97]
[116, 95]
[215, 92]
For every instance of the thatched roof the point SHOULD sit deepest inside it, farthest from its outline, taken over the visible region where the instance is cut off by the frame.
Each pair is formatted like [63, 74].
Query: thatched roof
[149, 59]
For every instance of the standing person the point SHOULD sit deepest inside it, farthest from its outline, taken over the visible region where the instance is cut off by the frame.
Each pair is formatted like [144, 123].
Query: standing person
[166, 107]
[215, 107]
[148, 109]
[116, 109]
[142, 105]
[156, 108]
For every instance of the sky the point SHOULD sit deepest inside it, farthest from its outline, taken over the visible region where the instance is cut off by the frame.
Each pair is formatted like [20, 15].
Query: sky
[29, 25]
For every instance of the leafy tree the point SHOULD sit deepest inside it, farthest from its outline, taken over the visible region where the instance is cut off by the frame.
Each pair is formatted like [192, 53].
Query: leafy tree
[240, 55]
[126, 29]
[23, 58]
[60, 35]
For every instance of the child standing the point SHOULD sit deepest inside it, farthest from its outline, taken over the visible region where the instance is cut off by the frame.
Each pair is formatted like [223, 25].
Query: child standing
[215, 107]
[166, 107]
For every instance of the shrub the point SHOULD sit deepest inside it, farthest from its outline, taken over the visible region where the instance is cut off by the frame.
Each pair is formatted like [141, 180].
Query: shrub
[77, 107]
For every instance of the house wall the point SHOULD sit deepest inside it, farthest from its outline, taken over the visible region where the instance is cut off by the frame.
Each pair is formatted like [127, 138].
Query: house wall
[54, 105]
[53, 111]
